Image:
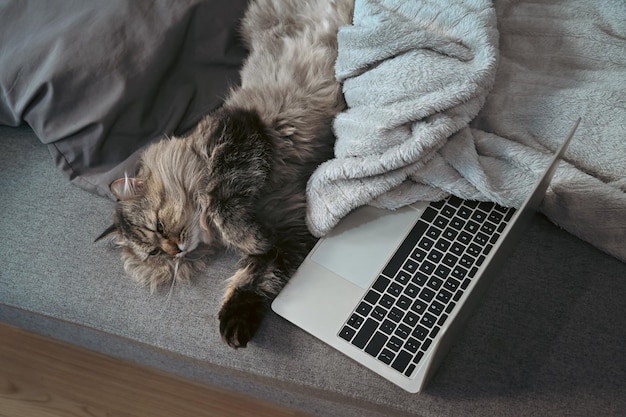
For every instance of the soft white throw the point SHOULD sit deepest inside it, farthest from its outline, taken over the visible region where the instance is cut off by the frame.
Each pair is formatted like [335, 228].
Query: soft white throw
[416, 73]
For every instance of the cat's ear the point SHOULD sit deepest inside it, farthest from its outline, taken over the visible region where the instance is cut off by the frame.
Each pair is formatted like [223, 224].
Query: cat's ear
[109, 231]
[126, 188]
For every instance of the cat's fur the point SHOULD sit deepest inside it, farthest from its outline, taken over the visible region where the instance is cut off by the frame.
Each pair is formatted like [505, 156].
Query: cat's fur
[239, 178]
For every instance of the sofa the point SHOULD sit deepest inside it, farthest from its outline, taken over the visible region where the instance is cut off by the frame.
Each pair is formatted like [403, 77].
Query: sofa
[546, 340]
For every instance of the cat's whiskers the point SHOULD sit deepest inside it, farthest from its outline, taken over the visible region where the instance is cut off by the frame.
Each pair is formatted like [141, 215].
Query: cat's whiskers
[171, 290]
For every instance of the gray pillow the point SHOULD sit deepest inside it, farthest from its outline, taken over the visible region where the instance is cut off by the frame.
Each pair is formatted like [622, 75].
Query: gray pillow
[98, 80]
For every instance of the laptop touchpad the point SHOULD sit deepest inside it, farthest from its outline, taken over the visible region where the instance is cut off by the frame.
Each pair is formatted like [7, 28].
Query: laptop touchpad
[361, 244]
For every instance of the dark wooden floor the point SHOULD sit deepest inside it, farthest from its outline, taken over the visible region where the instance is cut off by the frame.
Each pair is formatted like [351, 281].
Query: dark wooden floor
[40, 377]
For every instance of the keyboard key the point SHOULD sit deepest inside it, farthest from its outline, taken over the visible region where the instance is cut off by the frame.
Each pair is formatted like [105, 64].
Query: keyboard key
[347, 333]
[376, 344]
[434, 332]
[459, 272]
[418, 255]
[437, 204]
[486, 206]
[452, 284]
[381, 284]
[427, 267]
[379, 313]
[402, 361]
[466, 261]
[442, 319]
[435, 255]
[448, 210]
[411, 291]
[426, 294]
[372, 297]
[495, 217]
[457, 249]
[394, 343]
[428, 320]
[449, 233]
[481, 238]
[435, 283]
[464, 212]
[455, 201]
[386, 356]
[420, 332]
[410, 266]
[452, 304]
[418, 357]
[387, 326]
[433, 233]
[441, 222]
[488, 228]
[500, 209]
[472, 272]
[386, 301]
[479, 216]
[355, 321]
[395, 315]
[471, 227]
[402, 277]
[465, 238]
[412, 345]
[410, 319]
[419, 306]
[404, 303]
[450, 260]
[436, 308]
[429, 214]
[444, 296]
[420, 278]
[474, 250]
[426, 243]
[394, 289]
[456, 223]
[363, 336]
[442, 271]
[441, 245]
[403, 331]
[364, 308]
[426, 345]
[410, 369]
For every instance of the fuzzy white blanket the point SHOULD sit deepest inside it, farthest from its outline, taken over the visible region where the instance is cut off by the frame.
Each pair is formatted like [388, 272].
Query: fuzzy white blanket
[416, 73]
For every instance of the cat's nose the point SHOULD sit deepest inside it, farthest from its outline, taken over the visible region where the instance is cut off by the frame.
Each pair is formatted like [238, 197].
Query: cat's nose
[171, 248]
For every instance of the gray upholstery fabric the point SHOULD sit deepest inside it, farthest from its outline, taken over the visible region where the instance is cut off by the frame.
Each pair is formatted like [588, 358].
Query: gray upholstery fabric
[546, 340]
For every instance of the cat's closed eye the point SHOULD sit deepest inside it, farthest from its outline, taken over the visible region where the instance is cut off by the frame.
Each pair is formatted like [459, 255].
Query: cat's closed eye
[159, 227]
[155, 251]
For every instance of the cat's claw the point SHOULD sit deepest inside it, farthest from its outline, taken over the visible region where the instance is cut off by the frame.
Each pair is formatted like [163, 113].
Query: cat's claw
[241, 316]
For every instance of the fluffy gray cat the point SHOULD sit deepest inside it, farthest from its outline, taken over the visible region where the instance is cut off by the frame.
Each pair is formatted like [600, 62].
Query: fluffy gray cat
[239, 178]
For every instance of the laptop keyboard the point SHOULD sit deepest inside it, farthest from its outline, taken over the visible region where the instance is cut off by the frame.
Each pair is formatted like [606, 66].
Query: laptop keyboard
[404, 309]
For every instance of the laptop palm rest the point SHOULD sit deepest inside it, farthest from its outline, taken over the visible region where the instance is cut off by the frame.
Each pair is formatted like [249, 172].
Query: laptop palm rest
[381, 229]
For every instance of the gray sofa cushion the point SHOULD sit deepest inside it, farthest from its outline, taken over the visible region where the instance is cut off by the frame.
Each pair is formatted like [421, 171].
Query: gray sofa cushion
[546, 340]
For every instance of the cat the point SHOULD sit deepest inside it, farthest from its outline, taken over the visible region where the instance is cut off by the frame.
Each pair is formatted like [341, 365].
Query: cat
[238, 179]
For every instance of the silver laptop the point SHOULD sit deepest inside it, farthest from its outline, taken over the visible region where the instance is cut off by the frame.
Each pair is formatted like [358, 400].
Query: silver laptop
[392, 289]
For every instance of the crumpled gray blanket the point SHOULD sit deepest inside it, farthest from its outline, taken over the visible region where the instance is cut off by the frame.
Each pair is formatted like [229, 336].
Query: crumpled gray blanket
[417, 73]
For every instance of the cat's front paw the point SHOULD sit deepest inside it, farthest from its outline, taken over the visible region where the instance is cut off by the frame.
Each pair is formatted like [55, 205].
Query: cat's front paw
[240, 317]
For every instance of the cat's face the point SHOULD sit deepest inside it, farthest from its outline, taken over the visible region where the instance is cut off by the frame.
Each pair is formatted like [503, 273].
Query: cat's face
[157, 224]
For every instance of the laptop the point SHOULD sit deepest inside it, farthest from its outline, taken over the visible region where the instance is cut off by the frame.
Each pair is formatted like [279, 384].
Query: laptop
[392, 289]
